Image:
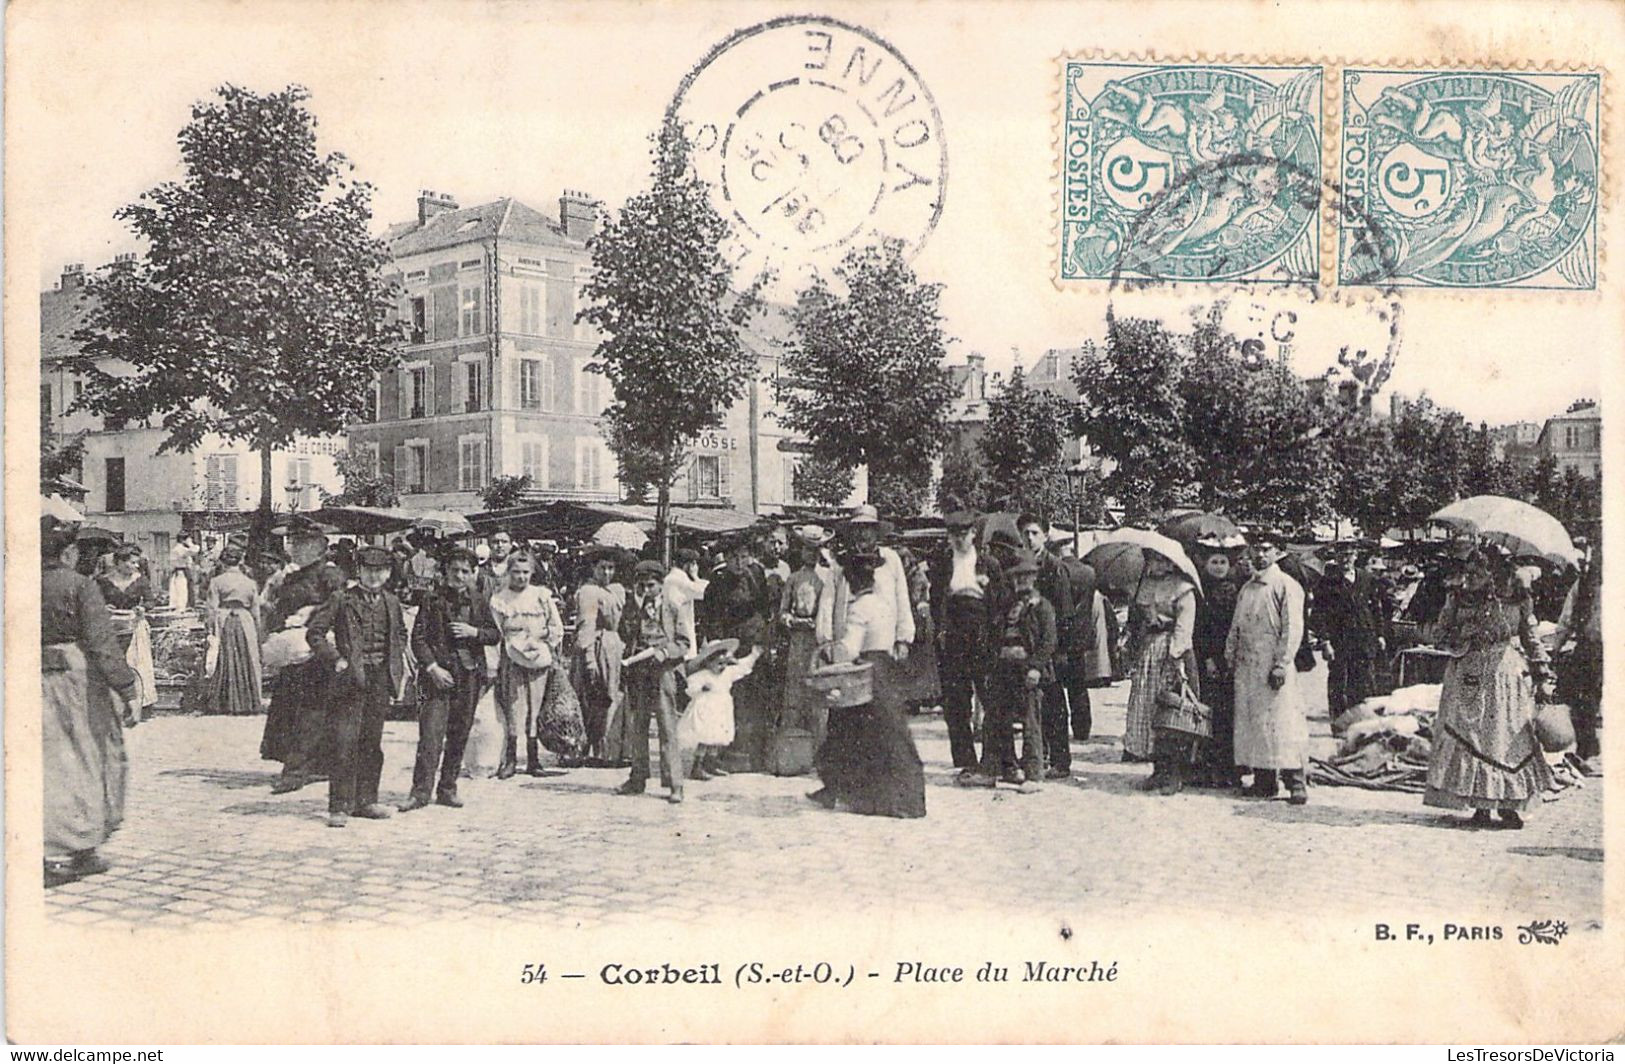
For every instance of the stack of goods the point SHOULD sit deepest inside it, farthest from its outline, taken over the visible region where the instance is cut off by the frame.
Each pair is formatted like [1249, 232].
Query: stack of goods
[1386, 742]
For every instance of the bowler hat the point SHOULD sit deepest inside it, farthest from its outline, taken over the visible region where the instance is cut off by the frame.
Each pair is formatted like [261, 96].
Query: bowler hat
[1025, 563]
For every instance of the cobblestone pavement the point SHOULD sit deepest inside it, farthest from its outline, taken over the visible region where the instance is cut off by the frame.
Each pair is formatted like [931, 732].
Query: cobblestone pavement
[205, 842]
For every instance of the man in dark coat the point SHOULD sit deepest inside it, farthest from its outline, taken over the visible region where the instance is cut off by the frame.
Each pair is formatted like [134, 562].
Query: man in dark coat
[967, 591]
[1351, 613]
[367, 659]
[737, 606]
[296, 731]
[1024, 666]
[449, 638]
[1055, 585]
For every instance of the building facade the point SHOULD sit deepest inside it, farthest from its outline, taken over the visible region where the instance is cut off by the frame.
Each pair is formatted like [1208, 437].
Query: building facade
[495, 378]
[1574, 439]
[133, 489]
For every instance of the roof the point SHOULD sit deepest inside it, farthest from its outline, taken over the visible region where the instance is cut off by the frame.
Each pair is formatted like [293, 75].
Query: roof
[61, 311]
[506, 217]
[1584, 413]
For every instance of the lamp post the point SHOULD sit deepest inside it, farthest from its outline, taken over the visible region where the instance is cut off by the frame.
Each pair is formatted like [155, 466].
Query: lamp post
[1074, 480]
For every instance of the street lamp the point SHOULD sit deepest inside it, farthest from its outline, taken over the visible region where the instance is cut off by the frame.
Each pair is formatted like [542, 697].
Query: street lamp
[1074, 480]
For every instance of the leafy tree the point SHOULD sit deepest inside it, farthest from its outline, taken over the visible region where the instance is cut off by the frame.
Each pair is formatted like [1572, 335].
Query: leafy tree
[965, 483]
[1362, 454]
[60, 457]
[1024, 449]
[818, 480]
[259, 311]
[863, 376]
[363, 486]
[660, 292]
[1132, 412]
[505, 491]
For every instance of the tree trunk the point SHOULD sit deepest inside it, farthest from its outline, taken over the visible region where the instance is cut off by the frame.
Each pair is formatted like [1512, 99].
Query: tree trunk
[663, 522]
[259, 539]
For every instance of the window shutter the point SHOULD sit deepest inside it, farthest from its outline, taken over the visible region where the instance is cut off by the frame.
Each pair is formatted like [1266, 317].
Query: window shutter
[402, 480]
[694, 479]
[459, 387]
[563, 395]
[431, 378]
[724, 476]
[479, 310]
[425, 452]
[544, 382]
[403, 392]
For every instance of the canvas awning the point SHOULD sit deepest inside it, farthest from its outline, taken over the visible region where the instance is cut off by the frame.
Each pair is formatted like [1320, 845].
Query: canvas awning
[570, 519]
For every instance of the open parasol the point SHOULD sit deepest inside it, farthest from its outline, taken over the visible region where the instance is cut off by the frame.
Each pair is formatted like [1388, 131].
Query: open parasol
[1214, 531]
[1119, 560]
[1303, 565]
[61, 509]
[1523, 530]
[622, 534]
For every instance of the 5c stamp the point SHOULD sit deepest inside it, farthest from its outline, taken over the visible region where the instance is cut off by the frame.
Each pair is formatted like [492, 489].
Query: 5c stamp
[1478, 179]
[1191, 172]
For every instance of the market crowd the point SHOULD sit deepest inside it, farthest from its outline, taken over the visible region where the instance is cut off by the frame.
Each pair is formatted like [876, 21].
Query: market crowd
[802, 648]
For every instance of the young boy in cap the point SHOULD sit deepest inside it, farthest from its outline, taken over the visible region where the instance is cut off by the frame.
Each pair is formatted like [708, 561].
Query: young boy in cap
[367, 657]
[1026, 645]
[449, 638]
[656, 644]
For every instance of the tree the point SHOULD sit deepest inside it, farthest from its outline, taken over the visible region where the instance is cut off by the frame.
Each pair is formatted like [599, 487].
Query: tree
[258, 311]
[660, 292]
[823, 482]
[1024, 449]
[506, 491]
[1132, 411]
[60, 457]
[363, 484]
[965, 483]
[863, 376]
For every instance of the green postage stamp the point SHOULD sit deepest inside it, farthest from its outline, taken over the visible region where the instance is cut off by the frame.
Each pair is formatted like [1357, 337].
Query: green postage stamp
[1469, 179]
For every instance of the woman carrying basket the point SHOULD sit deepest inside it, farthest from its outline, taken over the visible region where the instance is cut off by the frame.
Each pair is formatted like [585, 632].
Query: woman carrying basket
[868, 761]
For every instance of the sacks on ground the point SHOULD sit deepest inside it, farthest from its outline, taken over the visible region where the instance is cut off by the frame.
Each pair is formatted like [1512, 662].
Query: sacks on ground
[1422, 698]
[1404, 726]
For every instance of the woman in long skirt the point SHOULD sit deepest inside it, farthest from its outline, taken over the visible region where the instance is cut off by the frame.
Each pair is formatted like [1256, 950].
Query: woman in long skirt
[124, 588]
[868, 761]
[595, 667]
[806, 627]
[1162, 623]
[1485, 754]
[234, 613]
[83, 742]
[182, 560]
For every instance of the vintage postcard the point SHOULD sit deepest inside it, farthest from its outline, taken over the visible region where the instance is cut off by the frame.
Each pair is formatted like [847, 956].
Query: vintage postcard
[865, 522]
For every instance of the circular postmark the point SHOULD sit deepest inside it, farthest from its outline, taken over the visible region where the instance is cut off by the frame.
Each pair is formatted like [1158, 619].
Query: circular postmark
[1349, 337]
[816, 137]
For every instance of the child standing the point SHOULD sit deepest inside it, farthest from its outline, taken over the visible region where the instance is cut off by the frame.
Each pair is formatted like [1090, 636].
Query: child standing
[708, 725]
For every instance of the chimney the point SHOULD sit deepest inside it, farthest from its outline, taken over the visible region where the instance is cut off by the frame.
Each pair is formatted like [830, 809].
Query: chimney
[976, 376]
[433, 203]
[73, 275]
[578, 213]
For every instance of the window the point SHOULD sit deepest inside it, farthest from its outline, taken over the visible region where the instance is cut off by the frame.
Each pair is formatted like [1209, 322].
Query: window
[368, 452]
[473, 385]
[473, 306]
[78, 389]
[590, 471]
[791, 463]
[220, 482]
[534, 393]
[372, 404]
[589, 390]
[412, 467]
[47, 409]
[417, 391]
[707, 476]
[530, 309]
[470, 463]
[533, 459]
[420, 319]
[115, 485]
[561, 293]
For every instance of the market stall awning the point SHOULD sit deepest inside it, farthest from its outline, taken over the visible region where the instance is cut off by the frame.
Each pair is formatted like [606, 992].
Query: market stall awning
[572, 519]
[381, 521]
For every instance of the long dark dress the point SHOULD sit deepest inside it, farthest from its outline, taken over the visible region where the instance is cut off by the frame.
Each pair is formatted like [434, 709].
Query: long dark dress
[83, 741]
[868, 759]
[235, 686]
[1214, 612]
[296, 730]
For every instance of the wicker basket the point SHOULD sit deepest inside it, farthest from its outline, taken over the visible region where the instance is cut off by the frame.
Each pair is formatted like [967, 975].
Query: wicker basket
[843, 685]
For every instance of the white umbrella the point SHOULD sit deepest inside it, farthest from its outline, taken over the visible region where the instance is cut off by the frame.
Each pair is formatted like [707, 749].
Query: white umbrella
[621, 534]
[1524, 530]
[58, 507]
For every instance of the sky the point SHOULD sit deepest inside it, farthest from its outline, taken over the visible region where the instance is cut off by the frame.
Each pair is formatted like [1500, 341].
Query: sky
[487, 99]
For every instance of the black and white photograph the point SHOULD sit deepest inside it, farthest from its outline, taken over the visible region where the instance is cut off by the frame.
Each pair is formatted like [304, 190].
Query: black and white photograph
[861, 523]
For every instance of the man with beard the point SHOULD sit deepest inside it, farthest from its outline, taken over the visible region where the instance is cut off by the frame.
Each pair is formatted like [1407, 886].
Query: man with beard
[296, 726]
